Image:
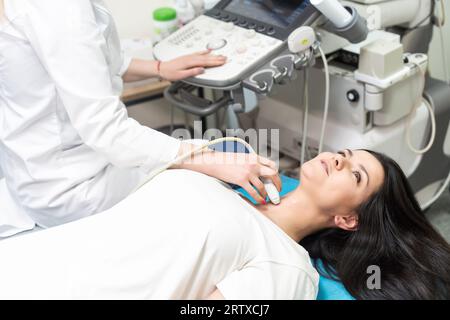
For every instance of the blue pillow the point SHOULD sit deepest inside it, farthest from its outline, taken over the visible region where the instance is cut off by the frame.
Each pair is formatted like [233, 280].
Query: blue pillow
[328, 289]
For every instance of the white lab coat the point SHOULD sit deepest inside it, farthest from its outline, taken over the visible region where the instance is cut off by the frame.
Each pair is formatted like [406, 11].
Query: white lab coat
[67, 147]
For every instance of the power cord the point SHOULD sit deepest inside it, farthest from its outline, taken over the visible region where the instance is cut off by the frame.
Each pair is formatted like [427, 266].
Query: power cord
[305, 116]
[414, 112]
[306, 108]
[327, 99]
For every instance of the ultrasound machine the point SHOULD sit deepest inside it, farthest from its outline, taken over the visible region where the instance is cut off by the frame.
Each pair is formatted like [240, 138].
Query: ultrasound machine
[354, 72]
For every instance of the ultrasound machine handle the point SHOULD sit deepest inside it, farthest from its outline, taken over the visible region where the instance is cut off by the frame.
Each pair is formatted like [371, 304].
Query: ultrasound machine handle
[202, 107]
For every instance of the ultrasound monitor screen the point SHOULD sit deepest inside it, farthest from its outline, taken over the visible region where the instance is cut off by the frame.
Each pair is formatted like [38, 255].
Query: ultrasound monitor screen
[274, 12]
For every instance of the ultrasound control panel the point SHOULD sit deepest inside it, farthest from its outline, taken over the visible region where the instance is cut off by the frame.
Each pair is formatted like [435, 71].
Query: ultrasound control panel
[246, 32]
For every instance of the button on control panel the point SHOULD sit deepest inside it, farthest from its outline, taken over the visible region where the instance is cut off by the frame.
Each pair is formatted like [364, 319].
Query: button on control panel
[216, 44]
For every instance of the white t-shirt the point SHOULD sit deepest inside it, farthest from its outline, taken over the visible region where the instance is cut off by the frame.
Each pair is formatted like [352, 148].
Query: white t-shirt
[179, 237]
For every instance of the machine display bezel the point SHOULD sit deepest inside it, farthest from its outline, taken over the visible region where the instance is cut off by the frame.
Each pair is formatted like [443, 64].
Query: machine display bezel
[219, 12]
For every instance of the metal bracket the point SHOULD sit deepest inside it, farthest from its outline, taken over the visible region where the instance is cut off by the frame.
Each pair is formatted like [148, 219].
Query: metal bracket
[261, 82]
[285, 67]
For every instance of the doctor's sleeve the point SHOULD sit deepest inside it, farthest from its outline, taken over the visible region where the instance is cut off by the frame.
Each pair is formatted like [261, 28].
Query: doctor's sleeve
[71, 46]
[269, 281]
[126, 62]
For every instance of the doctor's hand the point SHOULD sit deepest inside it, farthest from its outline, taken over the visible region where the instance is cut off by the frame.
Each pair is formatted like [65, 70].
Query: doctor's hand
[240, 169]
[189, 66]
[245, 171]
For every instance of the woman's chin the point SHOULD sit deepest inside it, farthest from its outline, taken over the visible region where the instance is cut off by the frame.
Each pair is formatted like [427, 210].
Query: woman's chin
[311, 179]
[308, 172]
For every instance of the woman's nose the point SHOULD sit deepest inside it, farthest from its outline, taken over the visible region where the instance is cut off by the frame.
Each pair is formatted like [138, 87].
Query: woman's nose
[339, 162]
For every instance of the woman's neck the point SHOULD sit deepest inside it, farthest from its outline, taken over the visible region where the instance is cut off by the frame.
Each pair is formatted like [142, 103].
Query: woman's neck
[297, 215]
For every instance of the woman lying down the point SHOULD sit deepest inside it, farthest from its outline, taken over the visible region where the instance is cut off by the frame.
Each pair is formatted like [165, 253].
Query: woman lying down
[187, 236]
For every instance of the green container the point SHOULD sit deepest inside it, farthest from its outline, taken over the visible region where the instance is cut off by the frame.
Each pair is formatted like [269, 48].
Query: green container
[165, 22]
[164, 14]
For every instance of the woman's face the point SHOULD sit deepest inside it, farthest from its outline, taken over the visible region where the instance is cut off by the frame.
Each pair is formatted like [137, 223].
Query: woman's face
[339, 183]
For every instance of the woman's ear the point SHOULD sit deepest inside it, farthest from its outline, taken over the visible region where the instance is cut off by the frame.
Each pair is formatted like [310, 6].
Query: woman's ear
[348, 223]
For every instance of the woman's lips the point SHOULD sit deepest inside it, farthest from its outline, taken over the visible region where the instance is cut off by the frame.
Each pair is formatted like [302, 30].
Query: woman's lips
[325, 167]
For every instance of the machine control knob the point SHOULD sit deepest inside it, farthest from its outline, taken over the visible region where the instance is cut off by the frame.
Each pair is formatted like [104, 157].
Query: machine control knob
[216, 44]
[260, 28]
[243, 23]
[353, 96]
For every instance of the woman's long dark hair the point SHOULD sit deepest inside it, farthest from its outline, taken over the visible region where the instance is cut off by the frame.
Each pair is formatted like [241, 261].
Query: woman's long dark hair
[394, 235]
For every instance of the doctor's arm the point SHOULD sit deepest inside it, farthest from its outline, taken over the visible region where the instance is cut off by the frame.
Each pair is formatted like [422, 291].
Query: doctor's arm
[240, 169]
[174, 70]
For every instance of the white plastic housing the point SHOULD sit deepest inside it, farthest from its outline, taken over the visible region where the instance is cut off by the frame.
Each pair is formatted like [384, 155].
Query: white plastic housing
[334, 11]
[301, 39]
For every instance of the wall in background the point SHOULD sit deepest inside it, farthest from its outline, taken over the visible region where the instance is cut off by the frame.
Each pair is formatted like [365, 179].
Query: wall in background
[134, 17]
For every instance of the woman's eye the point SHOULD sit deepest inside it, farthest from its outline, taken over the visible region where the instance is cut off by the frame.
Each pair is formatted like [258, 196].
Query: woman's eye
[358, 176]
